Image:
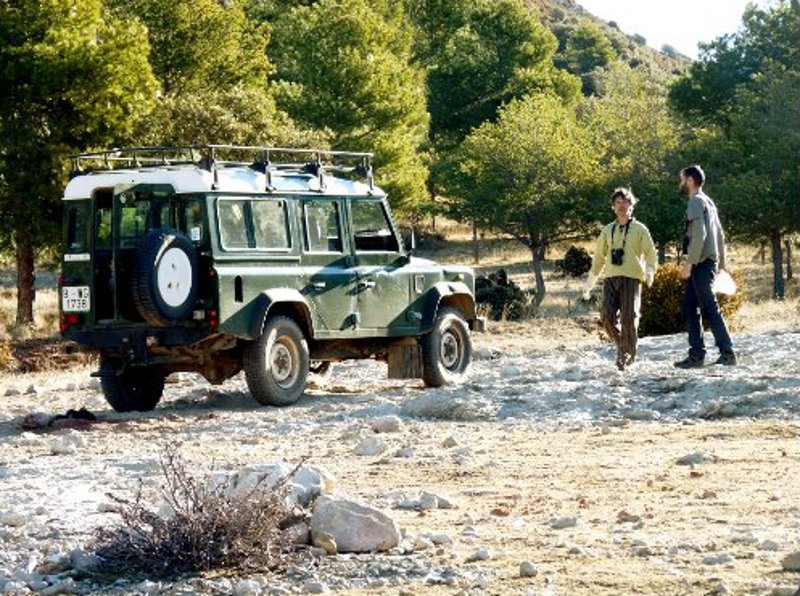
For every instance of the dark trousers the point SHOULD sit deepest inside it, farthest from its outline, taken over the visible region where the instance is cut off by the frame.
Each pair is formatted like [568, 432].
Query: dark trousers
[622, 300]
[699, 303]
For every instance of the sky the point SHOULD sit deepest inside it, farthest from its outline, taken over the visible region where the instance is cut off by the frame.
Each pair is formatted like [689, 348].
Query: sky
[668, 21]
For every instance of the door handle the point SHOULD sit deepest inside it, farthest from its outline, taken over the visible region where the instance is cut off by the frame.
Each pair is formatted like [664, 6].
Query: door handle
[366, 285]
[318, 285]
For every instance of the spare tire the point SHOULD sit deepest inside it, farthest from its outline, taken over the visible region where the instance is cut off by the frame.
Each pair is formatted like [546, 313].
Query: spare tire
[165, 277]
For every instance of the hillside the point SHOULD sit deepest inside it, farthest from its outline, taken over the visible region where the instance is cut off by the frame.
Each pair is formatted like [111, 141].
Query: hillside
[562, 16]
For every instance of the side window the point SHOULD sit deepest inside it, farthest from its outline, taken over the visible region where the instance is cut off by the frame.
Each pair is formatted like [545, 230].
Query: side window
[270, 225]
[322, 230]
[372, 230]
[232, 223]
[193, 222]
[76, 229]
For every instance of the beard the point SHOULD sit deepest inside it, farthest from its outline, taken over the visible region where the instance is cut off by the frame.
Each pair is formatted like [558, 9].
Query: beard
[683, 187]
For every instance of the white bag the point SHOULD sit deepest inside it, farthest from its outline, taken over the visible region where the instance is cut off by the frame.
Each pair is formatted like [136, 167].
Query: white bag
[724, 284]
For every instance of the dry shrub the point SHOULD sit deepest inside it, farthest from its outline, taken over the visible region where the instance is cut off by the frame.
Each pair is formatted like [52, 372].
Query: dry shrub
[208, 527]
[661, 303]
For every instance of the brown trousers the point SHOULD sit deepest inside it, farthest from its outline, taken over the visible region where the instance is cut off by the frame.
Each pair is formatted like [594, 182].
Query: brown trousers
[622, 301]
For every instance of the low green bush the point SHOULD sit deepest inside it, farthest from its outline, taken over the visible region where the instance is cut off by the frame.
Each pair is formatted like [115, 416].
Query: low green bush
[576, 262]
[661, 303]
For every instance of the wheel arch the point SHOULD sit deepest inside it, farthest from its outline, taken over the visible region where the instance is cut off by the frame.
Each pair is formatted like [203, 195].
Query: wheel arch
[281, 301]
[448, 293]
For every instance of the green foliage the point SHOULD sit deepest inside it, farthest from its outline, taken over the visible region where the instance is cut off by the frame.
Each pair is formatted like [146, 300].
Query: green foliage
[479, 57]
[661, 303]
[642, 144]
[742, 98]
[587, 49]
[575, 263]
[530, 175]
[503, 299]
[200, 45]
[707, 91]
[74, 77]
[345, 66]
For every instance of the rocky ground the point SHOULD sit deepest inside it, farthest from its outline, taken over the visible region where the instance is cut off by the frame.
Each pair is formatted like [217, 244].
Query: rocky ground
[566, 476]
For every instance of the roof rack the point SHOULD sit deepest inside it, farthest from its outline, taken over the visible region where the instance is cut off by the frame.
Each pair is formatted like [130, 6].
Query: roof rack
[215, 157]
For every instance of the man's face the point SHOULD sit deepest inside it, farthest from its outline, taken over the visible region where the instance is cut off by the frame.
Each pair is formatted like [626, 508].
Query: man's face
[623, 207]
[684, 185]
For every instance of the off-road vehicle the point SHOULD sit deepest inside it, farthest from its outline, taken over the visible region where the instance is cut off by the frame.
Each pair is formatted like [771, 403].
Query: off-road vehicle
[214, 259]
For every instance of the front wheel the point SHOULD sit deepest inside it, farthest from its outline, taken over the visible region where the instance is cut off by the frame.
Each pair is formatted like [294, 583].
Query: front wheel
[447, 349]
[130, 389]
[276, 364]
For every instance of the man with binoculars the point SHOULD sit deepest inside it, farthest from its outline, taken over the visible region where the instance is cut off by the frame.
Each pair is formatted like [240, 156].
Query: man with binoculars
[626, 253]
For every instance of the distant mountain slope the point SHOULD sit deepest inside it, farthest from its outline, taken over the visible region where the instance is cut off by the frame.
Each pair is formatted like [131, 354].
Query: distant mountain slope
[563, 16]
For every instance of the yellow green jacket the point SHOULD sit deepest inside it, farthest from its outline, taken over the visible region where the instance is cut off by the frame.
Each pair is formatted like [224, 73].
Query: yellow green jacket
[640, 252]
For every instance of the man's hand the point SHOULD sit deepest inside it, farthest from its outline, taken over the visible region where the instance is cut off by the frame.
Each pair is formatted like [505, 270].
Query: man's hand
[587, 287]
[686, 272]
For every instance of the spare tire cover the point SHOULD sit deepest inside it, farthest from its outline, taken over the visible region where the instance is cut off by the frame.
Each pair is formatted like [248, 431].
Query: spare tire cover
[165, 277]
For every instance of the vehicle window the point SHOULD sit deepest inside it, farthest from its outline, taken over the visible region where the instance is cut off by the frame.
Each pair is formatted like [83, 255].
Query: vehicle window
[193, 224]
[102, 227]
[322, 229]
[372, 230]
[270, 224]
[232, 224]
[76, 228]
[133, 222]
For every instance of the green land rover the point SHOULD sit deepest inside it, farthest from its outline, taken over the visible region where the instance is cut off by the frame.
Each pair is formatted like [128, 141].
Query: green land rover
[216, 259]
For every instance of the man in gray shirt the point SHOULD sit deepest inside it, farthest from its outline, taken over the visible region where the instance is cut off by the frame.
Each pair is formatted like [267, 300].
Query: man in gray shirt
[704, 247]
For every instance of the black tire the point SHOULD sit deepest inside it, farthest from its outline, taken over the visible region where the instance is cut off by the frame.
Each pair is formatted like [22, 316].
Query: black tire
[276, 364]
[165, 277]
[129, 389]
[446, 349]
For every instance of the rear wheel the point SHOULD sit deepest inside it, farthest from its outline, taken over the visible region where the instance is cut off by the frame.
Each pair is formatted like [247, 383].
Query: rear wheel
[276, 365]
[447, 349]
[130, 389]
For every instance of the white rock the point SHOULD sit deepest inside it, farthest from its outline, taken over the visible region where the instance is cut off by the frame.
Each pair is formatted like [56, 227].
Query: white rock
[13, 519]
[354, 527]
[482, 554]
[248, 587]
[370, 446]
[791, 562]
[528, 569]
[720, 559]
[560, 523]
[387, 424]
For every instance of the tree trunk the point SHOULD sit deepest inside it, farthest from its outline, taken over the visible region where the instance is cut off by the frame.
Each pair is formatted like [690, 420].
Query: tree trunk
[777, 265]
[476, 257]
[538, 258]
[789, 273]
[662, 253]
[26, 293]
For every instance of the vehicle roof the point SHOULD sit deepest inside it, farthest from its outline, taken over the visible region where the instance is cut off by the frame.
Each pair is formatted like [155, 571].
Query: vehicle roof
[238, 179]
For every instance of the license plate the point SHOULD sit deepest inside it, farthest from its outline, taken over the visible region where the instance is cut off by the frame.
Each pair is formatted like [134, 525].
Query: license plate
[75, 299]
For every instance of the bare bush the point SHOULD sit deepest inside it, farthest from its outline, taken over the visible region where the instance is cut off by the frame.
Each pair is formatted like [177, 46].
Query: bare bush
[208, 526]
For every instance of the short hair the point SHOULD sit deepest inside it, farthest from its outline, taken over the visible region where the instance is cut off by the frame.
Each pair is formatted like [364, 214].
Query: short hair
[696, 173]
[625, 193]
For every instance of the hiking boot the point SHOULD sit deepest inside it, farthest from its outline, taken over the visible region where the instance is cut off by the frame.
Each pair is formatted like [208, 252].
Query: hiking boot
[691, 362]
[726, 358]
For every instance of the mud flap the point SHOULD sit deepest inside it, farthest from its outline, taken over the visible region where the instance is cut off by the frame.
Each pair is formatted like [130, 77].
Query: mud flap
[405, 360]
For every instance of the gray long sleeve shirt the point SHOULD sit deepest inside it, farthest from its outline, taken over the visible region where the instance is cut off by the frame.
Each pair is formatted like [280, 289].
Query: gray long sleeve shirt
[704, 230]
